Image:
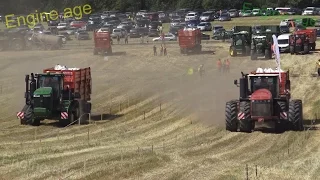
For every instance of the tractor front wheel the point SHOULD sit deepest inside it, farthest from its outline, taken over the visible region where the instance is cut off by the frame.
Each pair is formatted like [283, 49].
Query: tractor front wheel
[291, 50]
[231, 116]
[295, 115]
[280, 126]
[268, 54]
[233, 51]
[246, 125]
[306, 49]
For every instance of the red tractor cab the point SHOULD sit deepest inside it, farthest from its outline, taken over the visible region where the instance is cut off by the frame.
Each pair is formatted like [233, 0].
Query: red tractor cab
[264, 96]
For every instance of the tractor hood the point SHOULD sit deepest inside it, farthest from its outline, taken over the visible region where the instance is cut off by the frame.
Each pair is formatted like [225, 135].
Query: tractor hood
[44, 91]
[261, 94]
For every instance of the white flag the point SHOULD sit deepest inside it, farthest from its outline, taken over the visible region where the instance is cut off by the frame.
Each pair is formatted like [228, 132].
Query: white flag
[277, 53]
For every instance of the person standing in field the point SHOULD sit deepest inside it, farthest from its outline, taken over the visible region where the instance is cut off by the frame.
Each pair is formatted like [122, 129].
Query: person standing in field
[165, 51]
[154, 50]
[227, 66]
[126, 39]
[219, 64]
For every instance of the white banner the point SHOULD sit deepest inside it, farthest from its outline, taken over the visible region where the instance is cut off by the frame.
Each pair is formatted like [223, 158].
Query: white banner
[277, 53]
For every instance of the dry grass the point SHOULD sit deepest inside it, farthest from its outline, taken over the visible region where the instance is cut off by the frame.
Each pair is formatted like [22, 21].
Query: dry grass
[185, 140]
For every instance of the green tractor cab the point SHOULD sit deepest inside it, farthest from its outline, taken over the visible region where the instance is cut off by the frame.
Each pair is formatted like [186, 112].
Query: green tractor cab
[241, 41]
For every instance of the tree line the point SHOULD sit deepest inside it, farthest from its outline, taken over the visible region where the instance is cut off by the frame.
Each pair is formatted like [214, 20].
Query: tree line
[29, 6]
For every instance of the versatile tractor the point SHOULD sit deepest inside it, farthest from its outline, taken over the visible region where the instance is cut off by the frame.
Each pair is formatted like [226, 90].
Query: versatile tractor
[241, 41]
[299, 43]
[62, 95]
[264, 97]
[262, 44]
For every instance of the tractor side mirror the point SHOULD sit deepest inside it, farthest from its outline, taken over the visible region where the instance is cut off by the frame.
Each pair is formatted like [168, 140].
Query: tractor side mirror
[235, 82]
[77, 95]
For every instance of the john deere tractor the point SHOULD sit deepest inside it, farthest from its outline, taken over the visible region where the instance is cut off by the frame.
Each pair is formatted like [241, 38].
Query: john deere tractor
[262, 42]
[241, 41]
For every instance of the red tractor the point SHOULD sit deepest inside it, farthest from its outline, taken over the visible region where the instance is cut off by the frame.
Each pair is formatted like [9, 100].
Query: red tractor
[264, 97]
[299, 43]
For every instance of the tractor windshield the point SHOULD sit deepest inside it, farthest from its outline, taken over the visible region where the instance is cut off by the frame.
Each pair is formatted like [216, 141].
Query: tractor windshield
[50, 81]
[260, 40]
[264, 82]
[239, 39]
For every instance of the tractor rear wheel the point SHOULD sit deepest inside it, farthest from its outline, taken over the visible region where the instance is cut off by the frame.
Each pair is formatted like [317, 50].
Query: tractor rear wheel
[267, 54]
[291, 50]
[306, 49]
[233, 51]
[28, 114]
[253, 54]
[295, 115]
[247, 50]
[246, 125]
[280, 126]
[231, 116]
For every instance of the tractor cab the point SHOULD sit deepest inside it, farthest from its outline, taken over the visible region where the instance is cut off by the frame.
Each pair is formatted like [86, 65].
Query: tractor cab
[46, 91]
[268, 82]
[240, 43]
[299, 43]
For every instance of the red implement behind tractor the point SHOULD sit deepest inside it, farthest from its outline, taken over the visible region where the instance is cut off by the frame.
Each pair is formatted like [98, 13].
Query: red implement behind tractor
[299, 43]
[264, 97]
[102, 42]
[189, 40]
[312, 37]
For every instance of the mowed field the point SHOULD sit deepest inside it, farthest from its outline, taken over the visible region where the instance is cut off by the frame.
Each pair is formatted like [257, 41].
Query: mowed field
[151, 120]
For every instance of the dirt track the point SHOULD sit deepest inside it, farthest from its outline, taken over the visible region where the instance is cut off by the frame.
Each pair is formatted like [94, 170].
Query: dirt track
[185, 140]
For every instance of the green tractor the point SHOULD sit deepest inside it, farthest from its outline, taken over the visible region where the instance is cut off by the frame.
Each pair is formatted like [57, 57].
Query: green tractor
[56, 95]
[241, 41]
[263, 41]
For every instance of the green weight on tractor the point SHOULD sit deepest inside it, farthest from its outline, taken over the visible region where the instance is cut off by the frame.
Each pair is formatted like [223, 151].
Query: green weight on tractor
[241, 41]
[62, 95]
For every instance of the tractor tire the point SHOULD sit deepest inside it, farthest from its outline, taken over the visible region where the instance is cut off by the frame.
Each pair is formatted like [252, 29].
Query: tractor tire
[313, 46]
[306, 49]
[247, 50]
[245, 125]
[291, 50]
[233, 51]
[281, 126]
[27, 115]
[82, 111]
[268, 54]
[253, 55]
[295, 115]
[95, 51]
[109, 51]
[231, 116]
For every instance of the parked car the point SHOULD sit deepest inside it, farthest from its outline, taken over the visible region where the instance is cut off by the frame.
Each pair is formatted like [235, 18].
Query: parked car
[256, 12]
[207, 16]
[78, 24]
[65, 34]
[225, 17]
[192, 23]
[217, 28]
[62, 26]
[167, 37]
[219, 35]
[83, 35]
[174, 30]
[234, 13]
[118, 32]
[71, 30]
[191, 16]
[153, 33]
[246, 13]
[284, 29]
[205, 26]
[175, 22]
[317, 23]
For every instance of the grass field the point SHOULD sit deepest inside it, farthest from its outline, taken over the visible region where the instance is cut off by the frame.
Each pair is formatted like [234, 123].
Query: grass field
[164, 124]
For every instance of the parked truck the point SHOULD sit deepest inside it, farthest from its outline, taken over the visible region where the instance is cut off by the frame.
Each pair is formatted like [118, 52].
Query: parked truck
[241, 41]
[189, 40]
[102, 42]
[62, 94]
[312, 36]
[264, 97]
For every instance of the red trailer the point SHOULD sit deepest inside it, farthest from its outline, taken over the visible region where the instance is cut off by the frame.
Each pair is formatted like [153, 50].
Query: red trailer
[189, 40]
[312, 36]
[78, 81]
[102, 42]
